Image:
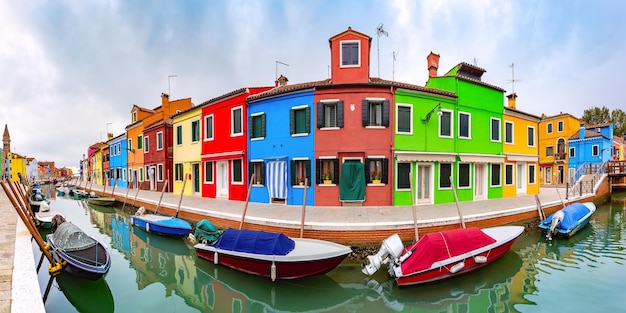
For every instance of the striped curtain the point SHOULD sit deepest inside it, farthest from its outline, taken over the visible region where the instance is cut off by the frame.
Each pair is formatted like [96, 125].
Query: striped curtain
[277, 179]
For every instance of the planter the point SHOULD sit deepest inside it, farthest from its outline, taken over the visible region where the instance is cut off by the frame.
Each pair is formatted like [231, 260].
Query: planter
[328, 181]
[375, 181]
[301, 183]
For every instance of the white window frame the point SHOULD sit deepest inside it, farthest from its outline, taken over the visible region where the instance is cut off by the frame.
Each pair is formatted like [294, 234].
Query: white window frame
[458, 175]
[595, 150]
[146, 143]
[532, 168]
[549, 128]
[159, 172]
[451, 123]
[199, 130]
[469, 125]
[572, 152]
[491, 119]
[506, 169]
[159, 136]
[341, 42]
[232, 121]
[211, 117]
[252, 126]
[533, 137]
[410, 132]
[212, 172]
[512, 132]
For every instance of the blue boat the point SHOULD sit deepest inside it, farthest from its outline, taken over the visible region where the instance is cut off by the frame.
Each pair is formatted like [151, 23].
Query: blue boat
[567, 221]
[160, 224]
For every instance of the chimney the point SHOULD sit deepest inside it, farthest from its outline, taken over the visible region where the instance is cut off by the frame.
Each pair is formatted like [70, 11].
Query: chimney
[512, 97]
[433, 64]
[282, 81]
[582, 131]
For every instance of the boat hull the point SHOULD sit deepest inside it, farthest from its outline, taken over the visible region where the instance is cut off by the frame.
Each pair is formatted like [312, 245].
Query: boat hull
[162, 225]
[278, 266]
[105, 201]
[544, 226]
[77, 267]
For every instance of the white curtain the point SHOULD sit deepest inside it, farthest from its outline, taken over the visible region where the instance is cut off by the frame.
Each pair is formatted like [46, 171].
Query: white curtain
[277, 179]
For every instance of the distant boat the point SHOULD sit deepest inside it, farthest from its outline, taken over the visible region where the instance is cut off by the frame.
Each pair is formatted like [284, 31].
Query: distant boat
[436, 256]
[37, 198]
[160, 224]
[273, 255]
[567, 221]
[85, 256]
[102, 201]
[44, 216]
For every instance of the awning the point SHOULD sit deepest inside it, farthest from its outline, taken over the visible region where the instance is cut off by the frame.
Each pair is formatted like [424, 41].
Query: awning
[522, 157]
[476, 158]
[409, 156]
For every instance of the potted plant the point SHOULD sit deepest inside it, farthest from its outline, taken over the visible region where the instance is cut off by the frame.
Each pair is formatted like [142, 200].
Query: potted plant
[376, 175]
[301, 181]
[327, 178]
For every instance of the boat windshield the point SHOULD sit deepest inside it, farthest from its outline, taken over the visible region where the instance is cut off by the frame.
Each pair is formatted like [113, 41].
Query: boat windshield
[70, 238]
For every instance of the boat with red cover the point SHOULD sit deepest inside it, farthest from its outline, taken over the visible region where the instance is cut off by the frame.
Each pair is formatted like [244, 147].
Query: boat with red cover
[273, 255]
[444, 254]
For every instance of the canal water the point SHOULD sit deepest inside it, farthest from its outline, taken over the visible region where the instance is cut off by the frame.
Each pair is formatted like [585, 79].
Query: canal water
[151, 273]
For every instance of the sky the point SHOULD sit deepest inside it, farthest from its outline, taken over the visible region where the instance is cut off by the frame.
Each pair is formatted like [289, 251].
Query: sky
[71, 71]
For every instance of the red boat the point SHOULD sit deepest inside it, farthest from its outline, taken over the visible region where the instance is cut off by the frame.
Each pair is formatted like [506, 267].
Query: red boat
[273, 255]
[441, 255]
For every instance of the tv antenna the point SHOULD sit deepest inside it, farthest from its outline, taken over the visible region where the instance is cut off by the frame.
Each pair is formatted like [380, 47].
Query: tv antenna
[513, 80]
[379, 32]
[393, 72]
[279, 62]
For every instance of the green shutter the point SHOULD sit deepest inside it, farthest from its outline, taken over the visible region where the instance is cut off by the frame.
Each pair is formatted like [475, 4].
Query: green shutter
[293, 172]
[292, 122]
[308, 120]
[340, 114]
[263, 125]
[251, 126]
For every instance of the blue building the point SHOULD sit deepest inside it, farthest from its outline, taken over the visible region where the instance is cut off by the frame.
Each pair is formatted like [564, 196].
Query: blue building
[281, 144]
[589, 148]
[117, 161]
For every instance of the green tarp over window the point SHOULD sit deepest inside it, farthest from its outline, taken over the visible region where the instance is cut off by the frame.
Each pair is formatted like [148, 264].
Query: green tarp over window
[352, 181]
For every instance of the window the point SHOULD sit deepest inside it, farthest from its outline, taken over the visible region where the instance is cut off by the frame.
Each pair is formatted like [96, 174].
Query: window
[178, 172]
[445, 124]
[549, 151]
[139, 142]
[377, 170]
[257, 126]
[300, 169]
[594, 150]
[508, 174]
[208, 172]
[350, 53]
[130, 145]
[375, 112]
[257, 169]
[327, 170]
[560, 126]
[140, 174]
[160, 172]
[237, 171]
[495, 129]
[299, 118]
[572, 152]
[195, 131]
[179, 135]
[159, 141]
[404, 119]
[531, 173]
[330, 114]
[464, 175]
[464, 125]
[495, 175]
[402, 177]
[236, 120]
[119, 146]
[508, 132]
[208, 127]
[531, 136]
[146, 144]
[134, 116]
[445, 172]
[549, 129]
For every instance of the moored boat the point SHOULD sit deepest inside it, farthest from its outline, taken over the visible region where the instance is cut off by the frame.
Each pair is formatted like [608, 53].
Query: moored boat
[273, 255]
[441, 255]
[567, 221]
[160, 224]
[44, 216]
[103, 201]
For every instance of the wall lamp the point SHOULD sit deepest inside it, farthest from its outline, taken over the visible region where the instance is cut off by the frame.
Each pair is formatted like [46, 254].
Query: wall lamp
[439, 113]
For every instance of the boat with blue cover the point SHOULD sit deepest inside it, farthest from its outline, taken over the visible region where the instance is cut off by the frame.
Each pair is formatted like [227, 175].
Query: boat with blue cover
[273, 255]
[160, 224]
[567, 221]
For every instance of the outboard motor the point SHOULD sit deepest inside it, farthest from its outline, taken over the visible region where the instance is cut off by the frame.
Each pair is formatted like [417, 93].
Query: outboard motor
[44, 207]
[557, 218]
[391, 246]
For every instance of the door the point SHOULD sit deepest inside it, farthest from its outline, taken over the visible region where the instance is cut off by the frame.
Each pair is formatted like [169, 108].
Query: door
[222, 179]
[560, 174]
[195, 169]
[521, 178]
[548, 175]
[480, 181]
[152, 177]
[424, 183]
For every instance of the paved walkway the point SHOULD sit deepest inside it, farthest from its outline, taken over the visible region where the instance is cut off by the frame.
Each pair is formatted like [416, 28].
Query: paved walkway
[19, 283]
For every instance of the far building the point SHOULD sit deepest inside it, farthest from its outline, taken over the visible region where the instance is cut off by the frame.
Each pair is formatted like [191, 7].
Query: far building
[589, 148]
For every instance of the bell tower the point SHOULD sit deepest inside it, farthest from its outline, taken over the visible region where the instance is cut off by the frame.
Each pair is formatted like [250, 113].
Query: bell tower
[6, 140]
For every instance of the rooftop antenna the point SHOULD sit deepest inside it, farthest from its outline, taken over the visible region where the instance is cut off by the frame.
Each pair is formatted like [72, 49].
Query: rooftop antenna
[169, 90]
[475, 62]
[379, 31]
[513, 80]
[393, 72]
[279, 62]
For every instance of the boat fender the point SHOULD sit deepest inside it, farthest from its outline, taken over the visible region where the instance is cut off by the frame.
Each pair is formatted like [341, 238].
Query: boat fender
[147, 226]
[480, 259]
[457, 267]
[56, 268]
[215, 260]
[273, 271]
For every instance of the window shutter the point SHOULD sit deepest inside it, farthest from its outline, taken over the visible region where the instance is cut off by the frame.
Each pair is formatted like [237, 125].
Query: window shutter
[263, 125]
[250, 171]
[293, 171]
[336, 172]
[384, 178]
[340, 114]
[386, 113]
[368, 174]
[251, 127]
[308, 120]
[320, 115]
[308, 172]
[292, 122]
[365, 112]
[318, 171]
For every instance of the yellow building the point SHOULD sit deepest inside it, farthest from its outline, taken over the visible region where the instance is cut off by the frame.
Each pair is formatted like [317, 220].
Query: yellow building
[187, 151]
[553, 134]
[97, 161]
[521, 149]
[16, 167]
